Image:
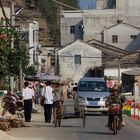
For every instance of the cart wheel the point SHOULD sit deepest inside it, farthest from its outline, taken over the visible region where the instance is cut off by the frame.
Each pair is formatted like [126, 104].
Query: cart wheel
[55, 123]
[59, 122]
[84, 121]
[83, 115]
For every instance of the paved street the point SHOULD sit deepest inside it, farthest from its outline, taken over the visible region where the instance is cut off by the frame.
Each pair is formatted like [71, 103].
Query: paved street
[72, 129]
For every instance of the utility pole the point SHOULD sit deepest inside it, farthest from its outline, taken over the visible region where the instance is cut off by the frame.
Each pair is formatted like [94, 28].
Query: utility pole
[12, 18]
[119, 67]
[20, 72]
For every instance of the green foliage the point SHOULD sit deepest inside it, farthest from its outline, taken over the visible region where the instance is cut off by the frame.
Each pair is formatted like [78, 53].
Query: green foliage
[6, 35]
[18, 58]
[4, 52]
[11, 59]
[31, 71]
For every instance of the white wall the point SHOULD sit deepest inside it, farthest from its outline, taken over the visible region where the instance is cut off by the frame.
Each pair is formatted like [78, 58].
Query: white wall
[96, 20]
[66, 36]
[73, 13]
[33, 41]
[134, 6]
[124, 32]
[90, 57]
[113, 72]
[7, 11]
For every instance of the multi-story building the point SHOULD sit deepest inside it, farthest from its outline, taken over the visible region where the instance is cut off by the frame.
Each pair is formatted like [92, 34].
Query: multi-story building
[93, 22]
[71, 27]
[78, 59]
[124, 36]
[108, 13]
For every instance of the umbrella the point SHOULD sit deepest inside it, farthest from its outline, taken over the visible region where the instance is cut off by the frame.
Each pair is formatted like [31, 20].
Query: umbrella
[50, 77]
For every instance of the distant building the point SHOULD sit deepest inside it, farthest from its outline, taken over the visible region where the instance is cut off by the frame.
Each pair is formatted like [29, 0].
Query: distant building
[77, 60]
[71, 27]
[108, 13]
[123, 36]
[105, 4]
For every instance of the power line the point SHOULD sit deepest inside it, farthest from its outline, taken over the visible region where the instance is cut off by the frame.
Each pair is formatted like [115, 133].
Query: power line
[65, 5]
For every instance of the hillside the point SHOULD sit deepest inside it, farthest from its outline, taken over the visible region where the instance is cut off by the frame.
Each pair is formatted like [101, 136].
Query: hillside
[31, 13]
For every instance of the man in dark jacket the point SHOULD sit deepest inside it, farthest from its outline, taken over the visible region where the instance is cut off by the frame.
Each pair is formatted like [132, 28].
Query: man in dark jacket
[115, 98]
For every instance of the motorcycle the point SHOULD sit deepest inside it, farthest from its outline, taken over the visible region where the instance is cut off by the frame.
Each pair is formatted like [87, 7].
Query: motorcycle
[115, 122]
[13, 104]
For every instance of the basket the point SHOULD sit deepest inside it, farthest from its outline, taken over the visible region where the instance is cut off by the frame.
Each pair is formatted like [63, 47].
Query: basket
[114, 109]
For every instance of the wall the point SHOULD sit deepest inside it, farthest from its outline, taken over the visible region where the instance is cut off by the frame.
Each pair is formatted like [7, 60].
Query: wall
[90, 57]
[124, 32]
[96, 20]
[137, 89]
[66, 36]
[113, 72]
[71, 18]
[7, 11]
[101, 4]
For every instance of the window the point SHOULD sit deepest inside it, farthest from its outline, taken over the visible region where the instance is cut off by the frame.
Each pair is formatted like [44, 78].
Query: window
[133, 36]
[114, 39]
[94, 86]
[77, 59]
[72, 29]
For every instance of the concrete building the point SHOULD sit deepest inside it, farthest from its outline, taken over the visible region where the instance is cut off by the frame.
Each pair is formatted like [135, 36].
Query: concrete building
[77, 59]
[123, 36]
[34, 46]
[71, 27]
[7, 13]
[109, 13]
[105, 4]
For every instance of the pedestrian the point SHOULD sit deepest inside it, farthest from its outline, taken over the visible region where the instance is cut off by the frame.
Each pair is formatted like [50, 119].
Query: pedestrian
[28, 97]
[69, 92]
[48, 101]
[58, 97]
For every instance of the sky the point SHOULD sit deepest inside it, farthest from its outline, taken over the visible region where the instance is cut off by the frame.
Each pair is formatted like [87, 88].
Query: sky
[87, 4]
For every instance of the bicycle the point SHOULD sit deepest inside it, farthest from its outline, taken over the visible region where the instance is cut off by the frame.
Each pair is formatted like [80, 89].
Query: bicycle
[58, 114]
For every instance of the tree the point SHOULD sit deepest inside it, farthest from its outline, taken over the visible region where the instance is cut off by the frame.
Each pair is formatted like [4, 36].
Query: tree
[31, 71]
[11, 58]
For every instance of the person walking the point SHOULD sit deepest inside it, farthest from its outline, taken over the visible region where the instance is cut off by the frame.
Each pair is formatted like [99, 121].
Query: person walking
[58, 97]
[48, 101]
[28, 97]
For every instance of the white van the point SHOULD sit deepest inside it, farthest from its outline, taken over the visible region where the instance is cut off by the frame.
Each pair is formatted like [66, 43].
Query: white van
[92, 92]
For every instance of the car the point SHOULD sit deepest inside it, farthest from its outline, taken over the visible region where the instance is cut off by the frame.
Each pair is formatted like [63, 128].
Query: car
[92, 92]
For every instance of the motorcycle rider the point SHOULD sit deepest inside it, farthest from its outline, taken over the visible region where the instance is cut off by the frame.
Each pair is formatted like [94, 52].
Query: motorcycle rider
[116, 98]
